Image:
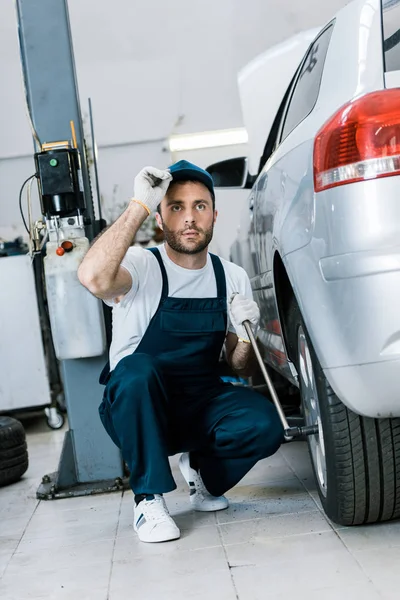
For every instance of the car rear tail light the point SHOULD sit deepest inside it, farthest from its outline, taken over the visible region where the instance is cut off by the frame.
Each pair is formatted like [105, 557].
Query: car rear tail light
[361, 141]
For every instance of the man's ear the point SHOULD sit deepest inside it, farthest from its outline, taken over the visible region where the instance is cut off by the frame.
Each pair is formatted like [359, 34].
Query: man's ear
[159, 220]
[215, 215]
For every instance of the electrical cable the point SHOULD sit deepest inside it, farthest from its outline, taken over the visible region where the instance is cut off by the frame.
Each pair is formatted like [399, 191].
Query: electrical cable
[30, 224]
[94, 151]
[20, 201]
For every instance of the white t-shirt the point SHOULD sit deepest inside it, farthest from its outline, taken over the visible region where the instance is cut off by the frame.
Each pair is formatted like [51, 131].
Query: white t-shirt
[132, 315]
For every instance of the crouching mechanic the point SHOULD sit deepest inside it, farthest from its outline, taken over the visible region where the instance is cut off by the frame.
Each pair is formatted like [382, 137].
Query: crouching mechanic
[172, 316]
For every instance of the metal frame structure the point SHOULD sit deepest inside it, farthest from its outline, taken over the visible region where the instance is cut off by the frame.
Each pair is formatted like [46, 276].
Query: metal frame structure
[89, 463]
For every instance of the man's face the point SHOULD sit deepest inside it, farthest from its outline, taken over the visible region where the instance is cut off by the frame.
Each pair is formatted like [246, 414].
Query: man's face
[187, 217]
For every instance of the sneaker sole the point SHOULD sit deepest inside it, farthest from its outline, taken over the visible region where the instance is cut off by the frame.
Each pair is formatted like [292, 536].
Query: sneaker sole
[155, 540]
[214, 509]
[158, 541]
[183, 466]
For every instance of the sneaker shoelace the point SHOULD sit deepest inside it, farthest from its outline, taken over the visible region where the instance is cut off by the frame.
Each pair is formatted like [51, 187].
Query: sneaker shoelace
[155, 510]
[200, 487]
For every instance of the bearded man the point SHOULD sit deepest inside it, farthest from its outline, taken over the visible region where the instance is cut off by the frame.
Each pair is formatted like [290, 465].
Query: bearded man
[174, 309]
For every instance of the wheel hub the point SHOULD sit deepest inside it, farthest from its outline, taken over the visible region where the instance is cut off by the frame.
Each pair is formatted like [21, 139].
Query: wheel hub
[311, 409]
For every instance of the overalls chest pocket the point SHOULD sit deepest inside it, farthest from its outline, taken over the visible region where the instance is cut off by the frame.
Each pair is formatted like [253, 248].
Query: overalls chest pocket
[195, 322]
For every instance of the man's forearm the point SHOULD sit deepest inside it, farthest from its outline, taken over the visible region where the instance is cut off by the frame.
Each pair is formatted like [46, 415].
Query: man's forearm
[243, 359]
[104, 257]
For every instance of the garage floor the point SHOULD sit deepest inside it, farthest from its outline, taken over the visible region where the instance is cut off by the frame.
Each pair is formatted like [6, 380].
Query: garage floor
[273, 542]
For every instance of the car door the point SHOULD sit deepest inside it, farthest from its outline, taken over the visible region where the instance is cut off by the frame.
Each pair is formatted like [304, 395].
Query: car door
[267, 195]
[243, 251]
[273, 194]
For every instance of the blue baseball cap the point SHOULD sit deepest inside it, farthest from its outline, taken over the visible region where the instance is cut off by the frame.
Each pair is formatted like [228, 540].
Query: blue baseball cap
[187, 171]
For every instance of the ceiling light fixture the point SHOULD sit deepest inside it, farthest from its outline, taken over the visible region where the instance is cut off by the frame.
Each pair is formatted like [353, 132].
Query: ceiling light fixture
[208, 139]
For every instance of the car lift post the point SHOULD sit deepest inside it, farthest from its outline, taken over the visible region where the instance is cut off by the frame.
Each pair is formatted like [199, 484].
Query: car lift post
[89, 462]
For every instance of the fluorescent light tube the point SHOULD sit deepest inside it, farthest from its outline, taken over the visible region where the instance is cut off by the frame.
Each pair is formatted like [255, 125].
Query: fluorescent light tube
[208, 139]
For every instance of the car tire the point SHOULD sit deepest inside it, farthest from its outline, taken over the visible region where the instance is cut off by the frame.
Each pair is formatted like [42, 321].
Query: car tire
[361, 481]
[13, 451]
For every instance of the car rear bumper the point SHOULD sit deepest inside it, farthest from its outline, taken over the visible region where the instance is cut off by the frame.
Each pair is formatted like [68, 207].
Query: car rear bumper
[350, 304]
[360, 264]
[372, 390]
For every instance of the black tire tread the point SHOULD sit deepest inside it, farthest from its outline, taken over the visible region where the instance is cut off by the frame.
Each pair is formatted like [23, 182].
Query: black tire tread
[13, 462]
[7, 453]
[12, 433]
[8, 476]
[363, 454]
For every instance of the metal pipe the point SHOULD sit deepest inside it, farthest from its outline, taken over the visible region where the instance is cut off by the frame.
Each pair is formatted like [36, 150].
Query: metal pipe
[94, 150]
[265, 373]
[289, 432]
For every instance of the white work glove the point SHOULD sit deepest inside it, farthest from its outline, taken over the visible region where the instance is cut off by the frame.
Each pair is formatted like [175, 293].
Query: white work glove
[151, 185]
[243, 309]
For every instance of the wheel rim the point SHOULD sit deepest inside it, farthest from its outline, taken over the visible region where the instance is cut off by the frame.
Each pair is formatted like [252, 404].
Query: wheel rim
[312, 413]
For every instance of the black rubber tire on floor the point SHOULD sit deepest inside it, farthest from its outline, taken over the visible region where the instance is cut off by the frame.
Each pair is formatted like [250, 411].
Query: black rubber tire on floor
[13, 451]
[14, 474]
[11, 433]
[362, 454]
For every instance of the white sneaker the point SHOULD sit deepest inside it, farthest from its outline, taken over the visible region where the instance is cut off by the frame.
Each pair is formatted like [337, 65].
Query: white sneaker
[152, 521]
[200, 498]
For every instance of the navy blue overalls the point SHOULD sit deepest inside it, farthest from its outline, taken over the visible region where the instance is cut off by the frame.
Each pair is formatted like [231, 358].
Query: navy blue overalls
[167, 397]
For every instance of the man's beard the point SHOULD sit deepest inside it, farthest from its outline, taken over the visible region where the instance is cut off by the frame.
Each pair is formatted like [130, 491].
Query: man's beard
[173, 239]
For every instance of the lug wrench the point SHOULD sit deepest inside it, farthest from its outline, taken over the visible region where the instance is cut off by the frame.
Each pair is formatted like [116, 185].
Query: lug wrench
[289, 432]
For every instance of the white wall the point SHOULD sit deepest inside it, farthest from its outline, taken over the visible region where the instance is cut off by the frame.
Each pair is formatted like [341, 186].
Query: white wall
[151, 69]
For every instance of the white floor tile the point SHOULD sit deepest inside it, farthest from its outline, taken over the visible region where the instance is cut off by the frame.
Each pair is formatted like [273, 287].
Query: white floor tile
[96, 504]
[16, 507]
[87, 582]
[363, 591]
[41, 559]
[265, 474]
[297, 458]
[201, 574]
[367, 537]
[315, 496]
[79, 531]
[82, 517]
[264, 550]
[14, 528]
[7, 549]
[266, 529]
[7, 546]
[305, 567]
[382, 566]
[277, 489]
[128, 546]
[276, 539]
[23, 489]
[253, 583]
[295, 453]
[193, 520]
[252, 502]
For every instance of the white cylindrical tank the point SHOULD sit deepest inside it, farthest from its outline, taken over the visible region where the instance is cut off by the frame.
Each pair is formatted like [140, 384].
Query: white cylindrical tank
[76, 317]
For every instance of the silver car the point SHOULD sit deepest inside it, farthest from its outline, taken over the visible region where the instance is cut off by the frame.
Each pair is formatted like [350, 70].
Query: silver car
[320, 240]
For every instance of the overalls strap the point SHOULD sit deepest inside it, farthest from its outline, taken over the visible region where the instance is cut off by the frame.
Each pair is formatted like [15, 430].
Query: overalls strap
[219, 275]
[218, 270]
[165, 291]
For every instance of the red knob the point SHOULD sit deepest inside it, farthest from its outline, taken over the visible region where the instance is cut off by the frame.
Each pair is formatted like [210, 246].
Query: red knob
[60, 251]
[67, 246]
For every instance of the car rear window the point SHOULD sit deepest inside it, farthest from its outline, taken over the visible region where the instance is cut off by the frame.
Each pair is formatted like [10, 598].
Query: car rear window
[306, 88]
[391, 34]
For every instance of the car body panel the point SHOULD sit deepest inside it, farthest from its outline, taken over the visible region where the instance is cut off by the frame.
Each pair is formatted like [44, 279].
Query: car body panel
[341, 247]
